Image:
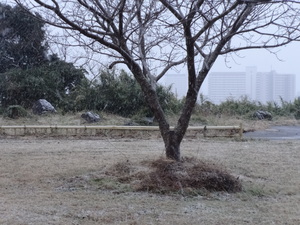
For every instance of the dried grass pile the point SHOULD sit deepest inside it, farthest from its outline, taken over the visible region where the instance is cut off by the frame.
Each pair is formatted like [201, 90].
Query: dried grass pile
[166, 176]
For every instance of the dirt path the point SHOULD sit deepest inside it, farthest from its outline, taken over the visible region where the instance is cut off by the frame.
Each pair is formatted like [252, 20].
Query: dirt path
[37, 183]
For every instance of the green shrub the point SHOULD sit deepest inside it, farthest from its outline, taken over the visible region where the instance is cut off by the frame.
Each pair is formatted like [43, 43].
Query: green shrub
[245, 108]
[240, 107]
[52, 81]
[296, 108]
[15, 111]
[118, 93]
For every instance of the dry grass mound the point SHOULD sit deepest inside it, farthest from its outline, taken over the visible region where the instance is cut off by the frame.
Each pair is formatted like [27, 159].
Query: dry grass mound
[189, 176]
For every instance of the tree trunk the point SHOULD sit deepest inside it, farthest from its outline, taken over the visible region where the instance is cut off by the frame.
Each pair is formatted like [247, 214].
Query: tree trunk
[172, 146]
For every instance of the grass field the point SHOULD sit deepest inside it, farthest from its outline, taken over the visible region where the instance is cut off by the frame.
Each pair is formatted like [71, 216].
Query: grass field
[51, 181]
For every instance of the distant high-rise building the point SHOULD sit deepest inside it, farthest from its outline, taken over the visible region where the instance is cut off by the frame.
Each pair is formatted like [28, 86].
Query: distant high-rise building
[257, 86]
[222, 86]
[284, 87]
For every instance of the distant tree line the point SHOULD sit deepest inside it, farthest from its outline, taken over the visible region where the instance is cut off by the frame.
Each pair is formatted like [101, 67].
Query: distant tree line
[245, 108]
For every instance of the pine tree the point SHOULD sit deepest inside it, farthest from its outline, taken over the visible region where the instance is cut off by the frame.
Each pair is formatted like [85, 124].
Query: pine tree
[22, 39]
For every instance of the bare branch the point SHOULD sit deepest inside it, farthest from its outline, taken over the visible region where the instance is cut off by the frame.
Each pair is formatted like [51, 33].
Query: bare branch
[153, 37]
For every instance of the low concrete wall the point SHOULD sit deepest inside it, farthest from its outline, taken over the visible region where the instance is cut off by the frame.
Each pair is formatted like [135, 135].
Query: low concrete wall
[116, 131]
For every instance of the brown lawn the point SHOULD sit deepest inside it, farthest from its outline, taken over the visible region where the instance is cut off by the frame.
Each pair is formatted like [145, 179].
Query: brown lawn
[51, 181]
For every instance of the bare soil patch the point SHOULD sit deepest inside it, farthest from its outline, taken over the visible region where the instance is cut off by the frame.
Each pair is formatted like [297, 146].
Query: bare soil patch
[59, 181]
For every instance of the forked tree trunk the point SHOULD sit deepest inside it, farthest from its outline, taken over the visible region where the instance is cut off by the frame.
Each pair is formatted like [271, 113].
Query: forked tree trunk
[172, 146]
[172, 138]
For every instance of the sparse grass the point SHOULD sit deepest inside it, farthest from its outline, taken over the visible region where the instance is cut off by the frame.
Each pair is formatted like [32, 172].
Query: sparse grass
[255, 190]
[114, 181]
[59, 119]
[65, 181]
[108, 183]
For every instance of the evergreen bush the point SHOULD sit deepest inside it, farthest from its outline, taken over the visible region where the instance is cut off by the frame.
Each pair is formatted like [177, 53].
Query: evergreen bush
[15, 111]
[118, 93]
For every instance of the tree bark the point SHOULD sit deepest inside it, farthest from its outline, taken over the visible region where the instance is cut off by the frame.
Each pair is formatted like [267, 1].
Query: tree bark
[172, 146]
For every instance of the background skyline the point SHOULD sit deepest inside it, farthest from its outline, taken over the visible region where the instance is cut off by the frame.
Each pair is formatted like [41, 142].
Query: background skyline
[258, 86]
[285, 61]
[264, 61]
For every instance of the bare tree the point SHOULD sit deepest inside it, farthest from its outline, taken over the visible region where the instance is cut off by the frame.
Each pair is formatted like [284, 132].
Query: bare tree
[153, 36]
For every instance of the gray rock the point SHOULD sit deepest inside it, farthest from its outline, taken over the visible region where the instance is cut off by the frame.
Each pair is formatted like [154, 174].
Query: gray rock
[131, 123]
[261, 115]
[42, 106]
[144, 121]
[90, 117]
[148, 120]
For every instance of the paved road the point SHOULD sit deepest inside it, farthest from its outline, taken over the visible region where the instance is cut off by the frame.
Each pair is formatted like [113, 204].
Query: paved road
[276, 133]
